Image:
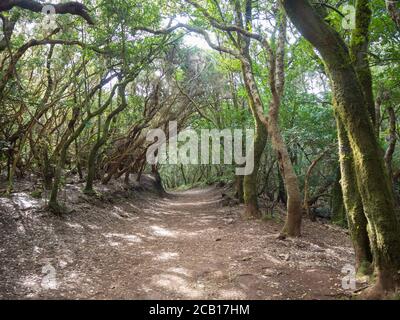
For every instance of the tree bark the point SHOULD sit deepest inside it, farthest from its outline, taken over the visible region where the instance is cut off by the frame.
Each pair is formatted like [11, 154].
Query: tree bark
[339, 215]
[292, 225]
[250, 185]
[392, 142]
[353, 203]
[359, 46]
[350, 106]
[239, 189]
[260, 140]
[306, 201]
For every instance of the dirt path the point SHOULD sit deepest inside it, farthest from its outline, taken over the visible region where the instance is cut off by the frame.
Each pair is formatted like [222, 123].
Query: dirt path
[182, 246]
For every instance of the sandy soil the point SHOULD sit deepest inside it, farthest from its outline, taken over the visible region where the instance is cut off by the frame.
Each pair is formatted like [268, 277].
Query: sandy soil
[132, 245]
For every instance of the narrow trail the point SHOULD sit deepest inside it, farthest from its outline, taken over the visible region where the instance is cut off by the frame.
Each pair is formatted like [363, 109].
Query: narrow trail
[185, 245]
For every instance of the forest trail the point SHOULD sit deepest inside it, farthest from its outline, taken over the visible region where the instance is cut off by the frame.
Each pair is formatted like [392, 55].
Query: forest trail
[184, 245]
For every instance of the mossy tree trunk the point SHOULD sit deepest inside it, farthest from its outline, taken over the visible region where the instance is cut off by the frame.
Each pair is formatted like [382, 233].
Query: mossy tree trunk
[339, 215]
[357, 221]
[370, 172]
[359, 46]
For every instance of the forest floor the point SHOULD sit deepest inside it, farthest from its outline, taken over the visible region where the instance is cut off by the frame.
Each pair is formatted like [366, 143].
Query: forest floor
[182, 245]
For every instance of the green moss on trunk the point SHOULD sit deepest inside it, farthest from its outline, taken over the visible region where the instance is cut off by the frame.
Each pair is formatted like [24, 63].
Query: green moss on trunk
[339, 215]
[357, 221]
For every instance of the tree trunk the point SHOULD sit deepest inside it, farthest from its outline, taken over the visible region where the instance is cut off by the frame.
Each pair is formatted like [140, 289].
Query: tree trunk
[260, 140]
[92, 167]
[353, 204]
[239, 189]
[292, 226]
[392, 142]
[339, 215]
[53, 202]
[350, 106]
[306, 201]
[250, 181]
[63, 148]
